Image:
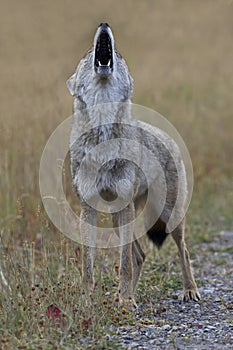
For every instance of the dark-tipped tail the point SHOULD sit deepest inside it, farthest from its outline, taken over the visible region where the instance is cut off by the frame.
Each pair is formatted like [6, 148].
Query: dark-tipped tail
[157, 233]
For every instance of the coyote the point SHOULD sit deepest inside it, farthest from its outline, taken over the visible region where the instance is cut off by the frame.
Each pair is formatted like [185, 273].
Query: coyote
[102, 87]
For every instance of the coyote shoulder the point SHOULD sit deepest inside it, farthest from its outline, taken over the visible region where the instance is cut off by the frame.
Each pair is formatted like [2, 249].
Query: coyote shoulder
[102, 88]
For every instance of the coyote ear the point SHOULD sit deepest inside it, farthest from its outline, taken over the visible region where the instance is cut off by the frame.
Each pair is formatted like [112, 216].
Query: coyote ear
[72, 85]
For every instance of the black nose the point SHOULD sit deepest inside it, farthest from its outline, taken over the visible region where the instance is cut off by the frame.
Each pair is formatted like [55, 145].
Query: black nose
[104, 25]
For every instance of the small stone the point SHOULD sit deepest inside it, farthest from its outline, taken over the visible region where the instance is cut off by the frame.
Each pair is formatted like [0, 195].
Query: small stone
[211, 328]
[166, 327]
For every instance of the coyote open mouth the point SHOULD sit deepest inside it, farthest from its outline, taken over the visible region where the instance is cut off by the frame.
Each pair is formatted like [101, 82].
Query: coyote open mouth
[104, 50]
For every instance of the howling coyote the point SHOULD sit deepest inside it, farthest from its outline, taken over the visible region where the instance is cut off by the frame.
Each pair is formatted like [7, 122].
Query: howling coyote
[102, 87]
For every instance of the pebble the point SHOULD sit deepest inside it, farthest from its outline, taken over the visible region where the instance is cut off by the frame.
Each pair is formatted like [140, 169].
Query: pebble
[166, 327]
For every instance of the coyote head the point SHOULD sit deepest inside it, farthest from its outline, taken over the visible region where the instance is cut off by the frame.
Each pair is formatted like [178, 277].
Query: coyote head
[102, 76]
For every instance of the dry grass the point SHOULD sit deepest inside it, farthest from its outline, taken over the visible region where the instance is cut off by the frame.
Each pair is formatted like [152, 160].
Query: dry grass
[180, 55]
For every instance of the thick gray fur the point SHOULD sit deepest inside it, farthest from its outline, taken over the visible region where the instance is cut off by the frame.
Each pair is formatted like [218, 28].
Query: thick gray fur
[102, 108]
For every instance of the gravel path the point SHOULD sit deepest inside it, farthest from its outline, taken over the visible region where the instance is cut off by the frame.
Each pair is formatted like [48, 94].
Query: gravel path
[207, 324]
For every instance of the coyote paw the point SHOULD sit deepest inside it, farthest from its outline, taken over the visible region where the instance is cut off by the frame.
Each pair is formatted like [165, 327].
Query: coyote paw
[128, 302]
[190, 294]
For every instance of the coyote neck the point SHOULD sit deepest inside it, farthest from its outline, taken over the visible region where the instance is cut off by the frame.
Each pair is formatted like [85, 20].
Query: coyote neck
[103, 103]
[99, 92]
[109, 113]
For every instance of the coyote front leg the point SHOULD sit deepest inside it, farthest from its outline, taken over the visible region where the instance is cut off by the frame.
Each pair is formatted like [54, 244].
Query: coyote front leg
[126, 285]
[138, 256]
[88, 236]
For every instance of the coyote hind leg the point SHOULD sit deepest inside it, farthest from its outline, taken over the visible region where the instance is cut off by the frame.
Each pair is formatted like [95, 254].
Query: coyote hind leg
[138, 260]
[189, 284]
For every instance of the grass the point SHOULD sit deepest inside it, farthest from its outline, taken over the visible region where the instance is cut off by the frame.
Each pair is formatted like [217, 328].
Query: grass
[182, 67]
